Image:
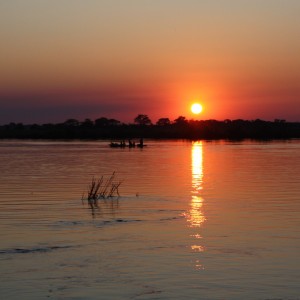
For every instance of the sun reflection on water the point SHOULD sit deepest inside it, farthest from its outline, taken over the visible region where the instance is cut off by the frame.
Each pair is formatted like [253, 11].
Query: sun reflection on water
[195, 215]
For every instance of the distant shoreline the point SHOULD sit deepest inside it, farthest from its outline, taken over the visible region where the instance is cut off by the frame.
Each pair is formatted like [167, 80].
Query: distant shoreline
[192, 130]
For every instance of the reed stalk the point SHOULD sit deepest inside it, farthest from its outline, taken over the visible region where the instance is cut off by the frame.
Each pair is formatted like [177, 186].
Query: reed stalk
[102, 189]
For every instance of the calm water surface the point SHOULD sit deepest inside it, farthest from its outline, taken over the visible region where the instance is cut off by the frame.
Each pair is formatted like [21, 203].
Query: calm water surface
[202, 220]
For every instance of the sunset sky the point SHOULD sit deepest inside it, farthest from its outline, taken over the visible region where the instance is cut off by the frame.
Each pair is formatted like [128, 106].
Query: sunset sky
[118, 58]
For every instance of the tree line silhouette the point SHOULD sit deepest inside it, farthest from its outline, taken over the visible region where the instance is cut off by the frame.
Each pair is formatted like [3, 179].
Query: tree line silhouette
[164, 128]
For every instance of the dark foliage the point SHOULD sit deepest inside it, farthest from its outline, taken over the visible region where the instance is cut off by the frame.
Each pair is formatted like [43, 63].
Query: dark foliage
[142, 120]
[180, 128]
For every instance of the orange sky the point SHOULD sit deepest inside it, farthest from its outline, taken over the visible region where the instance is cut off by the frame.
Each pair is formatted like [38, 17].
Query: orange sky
[88, 59]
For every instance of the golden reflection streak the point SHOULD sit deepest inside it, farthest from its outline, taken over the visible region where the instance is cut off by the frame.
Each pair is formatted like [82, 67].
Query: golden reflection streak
[195, 215]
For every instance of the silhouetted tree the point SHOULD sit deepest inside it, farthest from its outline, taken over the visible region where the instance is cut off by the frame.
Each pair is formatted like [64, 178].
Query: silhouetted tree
[113, 122]
[181, 121]
[142, 120]
[87, 123]
[101, 122]
[71, 122]
[11, 125]
[104, 122]
[163, 122]
[279, 121]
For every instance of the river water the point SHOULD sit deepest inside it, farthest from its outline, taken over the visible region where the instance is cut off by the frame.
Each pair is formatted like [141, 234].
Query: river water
[195, 220]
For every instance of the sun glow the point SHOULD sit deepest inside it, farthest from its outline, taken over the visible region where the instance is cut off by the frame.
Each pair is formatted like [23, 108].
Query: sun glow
[196, 108]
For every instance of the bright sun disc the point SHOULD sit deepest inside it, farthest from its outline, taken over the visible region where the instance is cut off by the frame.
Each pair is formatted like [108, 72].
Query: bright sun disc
[196, 108]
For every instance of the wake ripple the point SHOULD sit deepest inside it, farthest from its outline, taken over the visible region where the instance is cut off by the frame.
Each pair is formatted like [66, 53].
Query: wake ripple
[33, 250]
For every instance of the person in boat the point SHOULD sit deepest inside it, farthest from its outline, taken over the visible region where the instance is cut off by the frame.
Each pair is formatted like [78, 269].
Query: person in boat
[131, 143]
[141, 144]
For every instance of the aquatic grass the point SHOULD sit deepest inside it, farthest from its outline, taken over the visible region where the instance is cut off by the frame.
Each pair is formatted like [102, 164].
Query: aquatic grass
[102, 189]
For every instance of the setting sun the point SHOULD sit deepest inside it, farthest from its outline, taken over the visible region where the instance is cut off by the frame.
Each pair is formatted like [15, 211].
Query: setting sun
[196, 108]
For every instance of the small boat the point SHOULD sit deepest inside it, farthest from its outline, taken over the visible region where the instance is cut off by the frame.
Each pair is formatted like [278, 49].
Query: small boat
[117, 145]
[131, 144]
